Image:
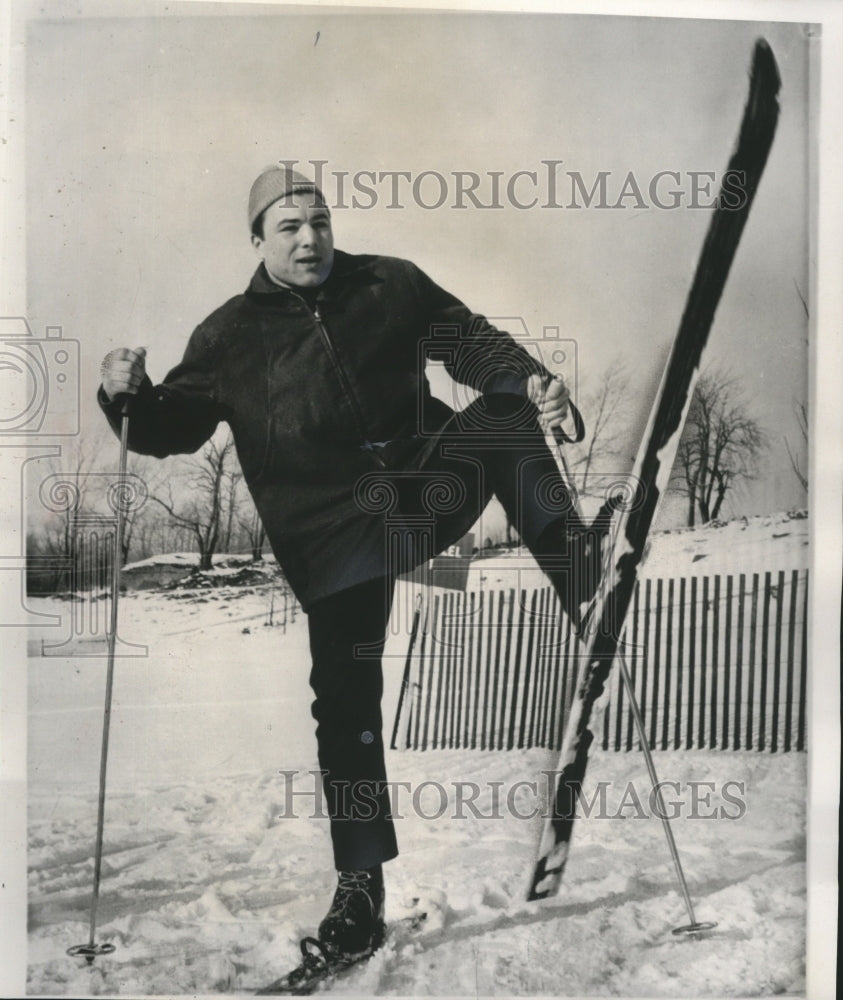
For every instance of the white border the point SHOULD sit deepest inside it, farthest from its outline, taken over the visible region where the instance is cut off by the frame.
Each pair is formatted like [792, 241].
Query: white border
[826, 433]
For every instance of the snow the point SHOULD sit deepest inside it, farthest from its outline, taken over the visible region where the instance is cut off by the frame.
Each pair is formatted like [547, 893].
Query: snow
[191, 559]
[168, 559]
[209, 881]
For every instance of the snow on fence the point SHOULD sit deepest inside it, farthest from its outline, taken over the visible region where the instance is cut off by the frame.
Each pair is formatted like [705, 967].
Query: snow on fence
[717, 663]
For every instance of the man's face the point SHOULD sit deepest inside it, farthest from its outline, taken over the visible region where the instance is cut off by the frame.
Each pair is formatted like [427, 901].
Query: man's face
[297, 245]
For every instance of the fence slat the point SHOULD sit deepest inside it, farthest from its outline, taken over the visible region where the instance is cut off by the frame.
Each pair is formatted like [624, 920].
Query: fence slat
[535, 693]
[567, 693]
[692, 663]
[636, 659]
[555, 708]
[791, 643]
[448, 674]
[490, 645]
[528, 670]
[516, 671]
[765, 649]
[803, 671]
[440, 669]
[655, 652]
[478, 671]
[727, 663]
[680, 663]
[552, 668]
[777, 665]
[753, 641]
[494, 733]
[739, 654]
[415, 703]
[457, 669]
[704, 611]
[714, 664]
[668, 667]
[547, 632]
[445, 666]
[507, 650]
[646, 642]
[541, 660]
[620, 701]
[434, 629]
[471, 629]
[455, 646]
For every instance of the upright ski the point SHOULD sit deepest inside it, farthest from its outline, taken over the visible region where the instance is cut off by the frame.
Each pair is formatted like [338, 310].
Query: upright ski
[601, 636]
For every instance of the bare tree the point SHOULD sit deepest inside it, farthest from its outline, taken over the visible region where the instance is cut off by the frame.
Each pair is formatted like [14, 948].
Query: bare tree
[801, 416]
[603, 410]
[78, 463]
[721, 445]
[253, 527]
[200, 511]
[134, 511]
[232, 501]
[67, 493]
[795, 463]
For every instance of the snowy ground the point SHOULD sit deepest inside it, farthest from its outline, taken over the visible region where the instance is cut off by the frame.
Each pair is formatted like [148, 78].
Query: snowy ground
[208, 883]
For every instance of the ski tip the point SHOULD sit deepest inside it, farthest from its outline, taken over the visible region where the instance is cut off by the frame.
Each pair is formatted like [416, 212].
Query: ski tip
[765, 69]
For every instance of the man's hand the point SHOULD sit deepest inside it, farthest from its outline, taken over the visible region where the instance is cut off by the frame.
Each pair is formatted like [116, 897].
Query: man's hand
[551, 399]
[123, 371]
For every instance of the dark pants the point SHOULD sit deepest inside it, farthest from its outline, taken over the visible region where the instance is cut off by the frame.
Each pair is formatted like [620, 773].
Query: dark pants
[493, 448]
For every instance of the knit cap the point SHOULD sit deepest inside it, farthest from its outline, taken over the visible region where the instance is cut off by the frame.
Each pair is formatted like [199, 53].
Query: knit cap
[275, 182]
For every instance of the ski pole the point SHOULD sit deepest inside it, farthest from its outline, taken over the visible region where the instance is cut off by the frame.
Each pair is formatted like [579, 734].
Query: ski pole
[90, 950]
[405, 683]
[694, 927]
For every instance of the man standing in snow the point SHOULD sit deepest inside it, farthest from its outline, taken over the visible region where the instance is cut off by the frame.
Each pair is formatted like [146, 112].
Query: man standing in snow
[318, 369]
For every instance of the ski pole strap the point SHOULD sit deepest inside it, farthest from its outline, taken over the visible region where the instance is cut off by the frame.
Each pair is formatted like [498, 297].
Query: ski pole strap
[562, 437]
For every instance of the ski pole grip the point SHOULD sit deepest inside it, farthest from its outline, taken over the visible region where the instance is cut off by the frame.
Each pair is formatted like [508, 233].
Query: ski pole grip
[562, 437]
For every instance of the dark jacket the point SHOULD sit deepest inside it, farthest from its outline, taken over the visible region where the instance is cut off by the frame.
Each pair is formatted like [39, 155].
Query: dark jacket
[312, 394]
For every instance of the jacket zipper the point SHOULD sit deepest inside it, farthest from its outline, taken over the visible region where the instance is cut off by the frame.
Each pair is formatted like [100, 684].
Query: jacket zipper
[267, 408]
[355, 409]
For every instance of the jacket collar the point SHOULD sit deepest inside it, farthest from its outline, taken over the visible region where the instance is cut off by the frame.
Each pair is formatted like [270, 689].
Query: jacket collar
[347, 269]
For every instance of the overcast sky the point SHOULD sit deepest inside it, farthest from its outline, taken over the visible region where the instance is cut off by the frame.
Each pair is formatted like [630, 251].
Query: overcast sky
[144, 134]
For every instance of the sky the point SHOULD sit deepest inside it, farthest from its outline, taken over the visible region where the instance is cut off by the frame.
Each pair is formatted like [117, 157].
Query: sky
[144, 134]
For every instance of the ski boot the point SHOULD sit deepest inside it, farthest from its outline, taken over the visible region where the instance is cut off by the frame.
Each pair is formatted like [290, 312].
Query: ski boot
[354, 925]
[352, 930]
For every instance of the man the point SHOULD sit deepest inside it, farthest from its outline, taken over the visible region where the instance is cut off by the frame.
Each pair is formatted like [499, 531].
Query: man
[319, 370]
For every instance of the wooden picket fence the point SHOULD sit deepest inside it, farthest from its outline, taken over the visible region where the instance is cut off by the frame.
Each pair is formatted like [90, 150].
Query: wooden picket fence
[717, 663]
